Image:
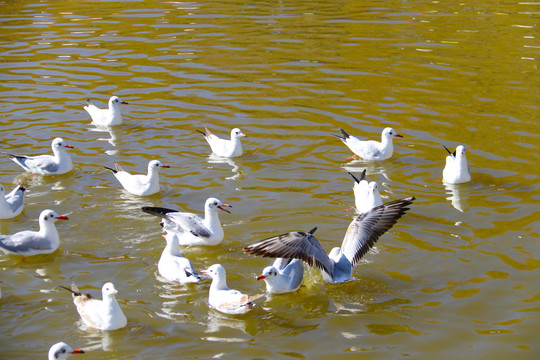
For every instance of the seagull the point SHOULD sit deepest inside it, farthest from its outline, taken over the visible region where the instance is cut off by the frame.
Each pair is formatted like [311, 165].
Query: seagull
[190, 228]
[100, 314]
[337, 266]
[44, 241]
[366, 194]
[223, 299]
[284, 276]
[106, 117]
[371, 150]
[61, 351]
[142, 185]
[12, 204]
[56, 164]
[173, 266]
[456, 170]
[223, 147]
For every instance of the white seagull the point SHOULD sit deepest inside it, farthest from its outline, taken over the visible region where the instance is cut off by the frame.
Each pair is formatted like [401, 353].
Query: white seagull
[337, 266]
[223, 299]
[366, 194]
[190, 228]
[223, 147]
[371, 150]
[99, 314]
[141, 185]
[283, 276]
[56, 164]
[27, 243]
[12, 204]
[456, 170]
[173, 266]
[105, 117]
[61, 351]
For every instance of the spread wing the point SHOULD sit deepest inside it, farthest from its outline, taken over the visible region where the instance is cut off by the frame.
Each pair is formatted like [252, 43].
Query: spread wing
[188, 222]
[366, 228]
[294, 245]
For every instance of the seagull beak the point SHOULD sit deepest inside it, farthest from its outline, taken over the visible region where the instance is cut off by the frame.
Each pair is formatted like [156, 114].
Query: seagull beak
[124, 103]
[69, 147]
[222, 209]
[243, 135]
[77, 351]
[62, 217]
[260, 277]
[397, 135]
[165, 166]
[163, 236]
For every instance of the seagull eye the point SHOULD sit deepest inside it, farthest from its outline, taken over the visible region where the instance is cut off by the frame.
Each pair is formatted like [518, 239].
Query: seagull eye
[63, 351]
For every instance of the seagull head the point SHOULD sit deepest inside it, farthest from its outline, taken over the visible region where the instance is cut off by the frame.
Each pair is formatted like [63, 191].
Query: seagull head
[59, 143]
[268, 273]
[213, 203]
[114, 100]
[389, 132]
[237, 133]
[108, 289]
[62, 350]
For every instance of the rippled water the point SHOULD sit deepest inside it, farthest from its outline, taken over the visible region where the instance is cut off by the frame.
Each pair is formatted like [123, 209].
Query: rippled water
[456, 278]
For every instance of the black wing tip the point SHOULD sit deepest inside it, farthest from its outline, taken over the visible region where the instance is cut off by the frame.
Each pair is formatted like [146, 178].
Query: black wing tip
[71, 291]
[450, 152]
[158, 211]
[113, 170]
[343, 135]
[354, 177]
[202, 132]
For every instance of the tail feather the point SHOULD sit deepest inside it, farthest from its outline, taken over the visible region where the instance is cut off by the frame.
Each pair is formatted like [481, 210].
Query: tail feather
[158, 211]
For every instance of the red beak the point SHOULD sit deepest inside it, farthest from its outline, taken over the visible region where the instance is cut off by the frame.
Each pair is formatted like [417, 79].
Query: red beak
[397, 135]
[260, 277]
[62, 217]
[166, 166]
[222, 209]
[77, 351]
[69, 146]
[124, 103]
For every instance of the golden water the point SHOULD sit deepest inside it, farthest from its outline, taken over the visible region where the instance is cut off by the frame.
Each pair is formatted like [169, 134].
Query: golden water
[456, 278]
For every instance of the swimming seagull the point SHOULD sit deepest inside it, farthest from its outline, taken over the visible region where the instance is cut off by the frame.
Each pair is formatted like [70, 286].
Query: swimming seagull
[366, 194]
[337, 266]
[44, 241]
[56, 164]
[223, 147]
[283, 276]
[173, 266]
[12, 204]
[223, 299]
[371, 150]
[142, 185]
[103, 314]
[456, 170]
[61, 351]
[106, 117]
[190, 228]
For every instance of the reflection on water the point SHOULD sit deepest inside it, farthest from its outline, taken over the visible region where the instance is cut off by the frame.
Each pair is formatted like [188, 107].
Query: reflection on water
[239, 173]
[115, 137]
[458, 195]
